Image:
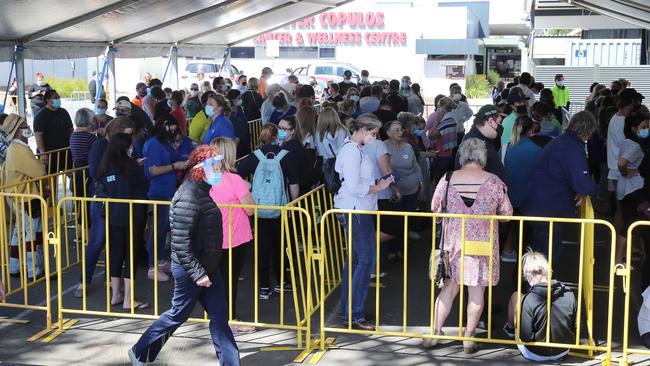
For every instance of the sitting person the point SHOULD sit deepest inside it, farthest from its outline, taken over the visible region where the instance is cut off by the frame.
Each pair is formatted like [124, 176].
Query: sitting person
[534, 314]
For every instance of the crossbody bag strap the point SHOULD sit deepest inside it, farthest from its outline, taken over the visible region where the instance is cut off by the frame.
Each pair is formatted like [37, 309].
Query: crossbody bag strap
[444, 207]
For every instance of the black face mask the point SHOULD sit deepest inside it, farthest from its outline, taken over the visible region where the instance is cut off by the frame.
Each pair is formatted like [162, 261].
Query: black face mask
[521, 109]
[499, 130]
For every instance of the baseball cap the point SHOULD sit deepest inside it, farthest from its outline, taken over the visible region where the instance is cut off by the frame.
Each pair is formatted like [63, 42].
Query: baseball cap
[516, 95]
[630, 95]
[347, 73]
[487, 111]
[123, 104]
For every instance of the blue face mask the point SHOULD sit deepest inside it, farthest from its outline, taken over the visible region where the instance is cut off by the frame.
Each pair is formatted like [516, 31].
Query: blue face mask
[282, 135]
[100, 111]
[148, 91]
[209, 110]
[169, 103]
[644, 133]
[417, 133]
[215, 179]
[56, 103]
[355, 98]
[224, 87]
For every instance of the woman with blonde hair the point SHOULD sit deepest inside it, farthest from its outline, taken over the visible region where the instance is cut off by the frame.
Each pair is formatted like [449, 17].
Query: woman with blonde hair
[330, 134]
[231, 189]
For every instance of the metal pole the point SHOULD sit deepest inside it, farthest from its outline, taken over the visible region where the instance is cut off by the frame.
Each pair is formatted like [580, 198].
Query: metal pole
[173, 55]
[112, 81]
[20, 79]
[11, 71]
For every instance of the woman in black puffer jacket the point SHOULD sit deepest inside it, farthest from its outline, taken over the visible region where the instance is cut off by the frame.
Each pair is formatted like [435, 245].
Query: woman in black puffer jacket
[195, 230]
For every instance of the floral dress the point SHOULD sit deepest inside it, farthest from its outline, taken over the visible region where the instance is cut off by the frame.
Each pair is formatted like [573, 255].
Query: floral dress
[491, 199]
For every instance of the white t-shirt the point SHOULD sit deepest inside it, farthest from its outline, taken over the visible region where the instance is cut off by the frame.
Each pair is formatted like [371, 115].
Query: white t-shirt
[632, 152]
[644, 313]
[615, 138]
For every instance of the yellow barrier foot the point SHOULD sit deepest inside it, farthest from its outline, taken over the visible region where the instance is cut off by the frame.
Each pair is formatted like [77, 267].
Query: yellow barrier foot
[14, 321]
[374, 284]
[329, 344]
[67, 323]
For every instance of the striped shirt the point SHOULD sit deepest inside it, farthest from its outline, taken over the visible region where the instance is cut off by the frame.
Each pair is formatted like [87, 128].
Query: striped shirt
[80, 144]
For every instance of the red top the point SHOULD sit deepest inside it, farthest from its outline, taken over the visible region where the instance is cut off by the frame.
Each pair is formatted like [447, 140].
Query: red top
[179, 114]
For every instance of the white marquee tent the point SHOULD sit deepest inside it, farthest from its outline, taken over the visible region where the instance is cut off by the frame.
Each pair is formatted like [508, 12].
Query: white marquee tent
[60, 29]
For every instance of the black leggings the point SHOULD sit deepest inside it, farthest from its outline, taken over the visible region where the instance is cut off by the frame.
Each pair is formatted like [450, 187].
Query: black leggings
[269, 235]
[118, 242]
[238, 256]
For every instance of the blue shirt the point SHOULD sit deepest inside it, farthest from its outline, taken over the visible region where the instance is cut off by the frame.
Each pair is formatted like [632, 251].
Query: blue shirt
[520, 164]
[277, 116]
[95, 155]
[220, 127]
[183, 151]
[161, 186]
[561, 173]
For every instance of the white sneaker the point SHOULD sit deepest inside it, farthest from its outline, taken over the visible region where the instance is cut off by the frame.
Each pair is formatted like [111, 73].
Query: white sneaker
[373, 275]
[162, 276]
[133, 359]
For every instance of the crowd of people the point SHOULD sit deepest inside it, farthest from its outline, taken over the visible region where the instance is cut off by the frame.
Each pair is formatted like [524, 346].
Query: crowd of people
[374, 149]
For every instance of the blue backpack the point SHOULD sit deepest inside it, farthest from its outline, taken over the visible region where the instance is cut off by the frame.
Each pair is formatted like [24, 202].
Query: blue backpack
[268, 183]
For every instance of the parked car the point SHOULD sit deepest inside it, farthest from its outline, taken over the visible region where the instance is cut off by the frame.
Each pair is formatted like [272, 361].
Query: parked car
[210, 71]
[326, 71]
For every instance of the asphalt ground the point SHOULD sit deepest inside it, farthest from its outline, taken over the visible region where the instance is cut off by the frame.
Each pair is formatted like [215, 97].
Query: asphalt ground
[104, 340]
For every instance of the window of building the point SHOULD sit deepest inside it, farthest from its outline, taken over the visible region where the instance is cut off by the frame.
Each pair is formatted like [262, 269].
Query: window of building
[327, 52]
[299, 52]
[242, 52]
[455, 72]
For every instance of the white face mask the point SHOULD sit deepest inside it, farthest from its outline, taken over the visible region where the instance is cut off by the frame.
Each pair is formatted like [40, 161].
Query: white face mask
[456, 97]
[560, 83]
[369, 139]
[40, 82]
[26, 132]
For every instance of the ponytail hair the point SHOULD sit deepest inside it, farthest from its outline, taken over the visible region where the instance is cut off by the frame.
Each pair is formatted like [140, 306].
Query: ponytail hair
[523, 124]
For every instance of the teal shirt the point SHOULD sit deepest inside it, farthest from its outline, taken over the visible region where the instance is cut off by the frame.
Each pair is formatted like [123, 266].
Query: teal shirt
[507, 124]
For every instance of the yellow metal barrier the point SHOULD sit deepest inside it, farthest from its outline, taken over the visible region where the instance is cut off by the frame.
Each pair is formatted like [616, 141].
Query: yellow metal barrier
[625, 271]
[475, 249]
[255, 127]
[19, 241]
[292, 312]
[57, 160]
[53, 188]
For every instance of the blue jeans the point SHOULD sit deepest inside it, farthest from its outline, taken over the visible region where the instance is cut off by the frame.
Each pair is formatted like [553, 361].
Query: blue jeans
[540, 239]
[186, 293]
[96, 240]
[363, 248]
[163, 228]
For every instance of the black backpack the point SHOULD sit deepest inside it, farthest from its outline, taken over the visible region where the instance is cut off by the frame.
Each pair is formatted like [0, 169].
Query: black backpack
[331, 177]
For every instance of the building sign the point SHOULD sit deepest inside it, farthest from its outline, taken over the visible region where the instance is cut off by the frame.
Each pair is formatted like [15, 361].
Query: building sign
[352, 29]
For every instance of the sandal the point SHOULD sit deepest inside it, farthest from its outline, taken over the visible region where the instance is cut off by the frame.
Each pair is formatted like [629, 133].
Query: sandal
[118, 301]
[137, 306]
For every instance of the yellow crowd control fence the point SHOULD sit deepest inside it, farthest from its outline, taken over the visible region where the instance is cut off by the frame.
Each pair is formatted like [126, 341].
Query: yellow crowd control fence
[54, 188]
[255, 127]
[642, 228]
[293, 225]
[316, 202]
[24, 252]
[469, 247]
